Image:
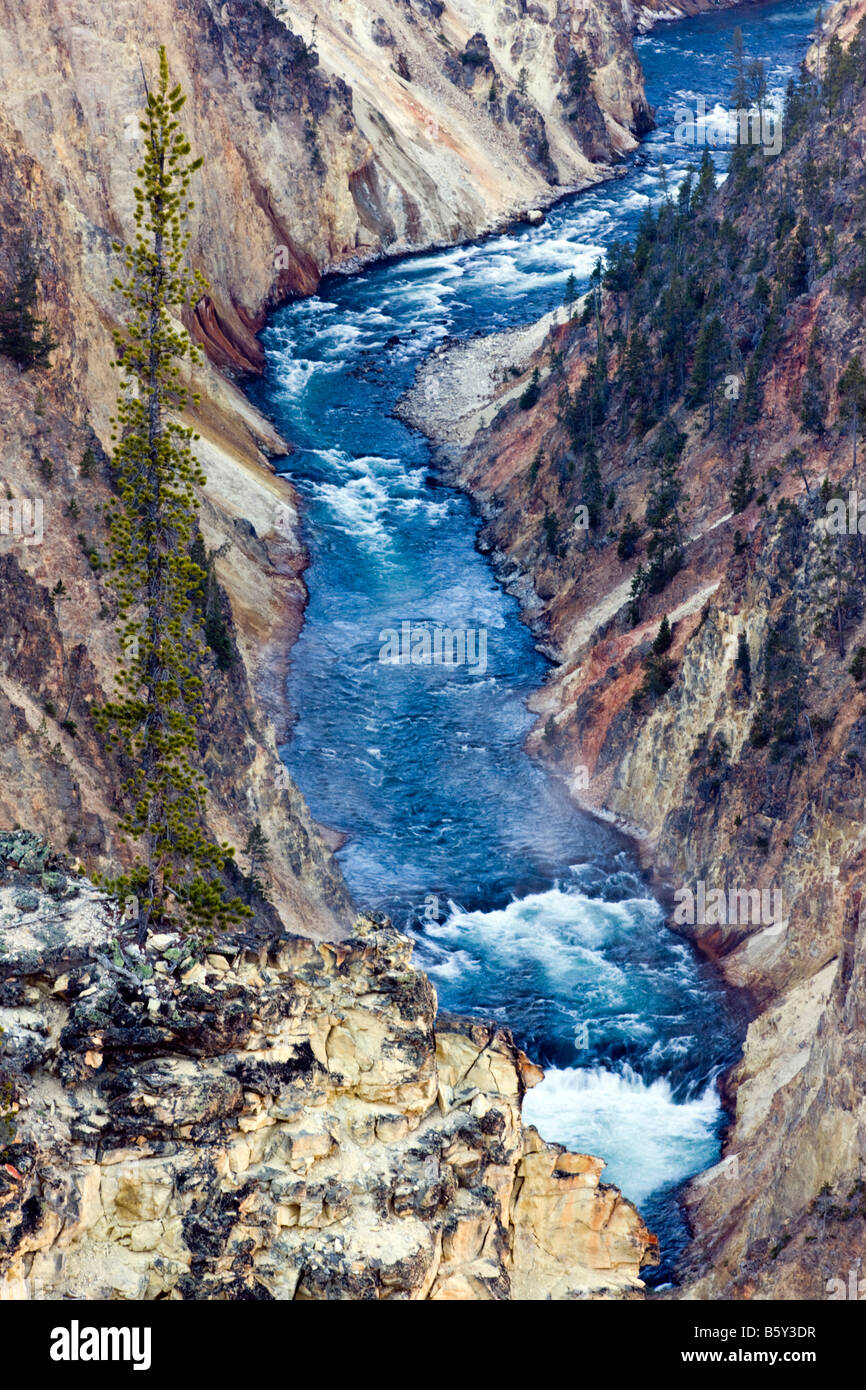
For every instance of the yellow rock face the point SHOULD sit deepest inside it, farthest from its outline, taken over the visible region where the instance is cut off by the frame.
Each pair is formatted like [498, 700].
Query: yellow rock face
[397, 1166]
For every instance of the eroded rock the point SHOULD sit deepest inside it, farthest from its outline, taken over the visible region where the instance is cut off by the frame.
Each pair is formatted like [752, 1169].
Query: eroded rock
[292, 1122]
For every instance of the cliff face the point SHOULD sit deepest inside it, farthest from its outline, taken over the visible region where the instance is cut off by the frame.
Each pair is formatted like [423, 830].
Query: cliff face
[736, 752]
[279, 1119]
[275, 1119]
[301, 175]
[160, 1138]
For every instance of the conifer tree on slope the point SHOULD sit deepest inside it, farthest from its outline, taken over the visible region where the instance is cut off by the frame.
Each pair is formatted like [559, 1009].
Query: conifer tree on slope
[152, 524]
[23, 335]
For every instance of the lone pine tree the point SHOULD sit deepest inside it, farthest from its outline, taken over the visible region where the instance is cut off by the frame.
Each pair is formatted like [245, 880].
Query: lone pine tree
[152, 525]
[23, 336]
[258, 853]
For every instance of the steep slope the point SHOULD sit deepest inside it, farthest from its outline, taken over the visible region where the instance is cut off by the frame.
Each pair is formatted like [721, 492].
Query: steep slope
[299, 177]
[131, 1166]
[270, 1120]
[704, 408]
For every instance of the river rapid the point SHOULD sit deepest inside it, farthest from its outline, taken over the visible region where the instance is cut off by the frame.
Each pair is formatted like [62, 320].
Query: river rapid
[525, 909]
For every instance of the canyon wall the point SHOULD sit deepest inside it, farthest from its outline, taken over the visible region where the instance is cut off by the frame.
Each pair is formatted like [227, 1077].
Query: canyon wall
[272, 1119]
[158, 1136]
[735, 747]
[303, 173]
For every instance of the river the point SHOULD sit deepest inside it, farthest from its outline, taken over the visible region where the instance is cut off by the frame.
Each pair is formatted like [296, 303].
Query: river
[525, 909]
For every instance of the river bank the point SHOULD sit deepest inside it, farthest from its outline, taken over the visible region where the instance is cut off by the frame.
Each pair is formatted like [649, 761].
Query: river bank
[523, 909]
[779, 1217]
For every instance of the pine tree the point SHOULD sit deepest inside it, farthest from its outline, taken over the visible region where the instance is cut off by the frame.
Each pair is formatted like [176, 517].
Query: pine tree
[550, 525]
[665, 548]
[743, 662]
[152, 525]
[795, 263]
[706, 184]
[658, 667]
[813, 404]
[836, 588]
[628, 538]
[743, 487]
[737, 65]
[592, 492]
[852, 401]
[664, 637]
[206, 597]
[23, 336]
[638, 371]
[530, 394]
[257, 851]
[709, 353]
[579, 75]
[637, 589]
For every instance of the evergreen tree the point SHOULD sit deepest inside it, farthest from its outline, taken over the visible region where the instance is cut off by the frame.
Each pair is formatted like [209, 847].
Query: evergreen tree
[638, 369]
[152, 525]
[257, 851]
[592, 492]
[579, 75]
[665, 547]
[813, 404]
[570, 294]
[743, 487]
[628, 538]
[637, 589]
[836, 592]
[619, 273]
[206, 597]
[743, 662]
[795, 265]
[550, 525]
[709, 355]
[706, 184]
[529, 396]
[737, 65]
[852, 401]
[761, 294]
[658, 667]
[663, 637]
[23, 336]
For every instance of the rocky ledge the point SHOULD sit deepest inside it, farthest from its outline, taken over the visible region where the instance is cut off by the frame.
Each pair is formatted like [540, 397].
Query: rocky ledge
[269, 1118]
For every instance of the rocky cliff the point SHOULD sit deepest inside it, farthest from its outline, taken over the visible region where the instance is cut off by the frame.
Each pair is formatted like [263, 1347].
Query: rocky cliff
[402, 126]
[706, 409]
[273, 1119]
[156, 1108]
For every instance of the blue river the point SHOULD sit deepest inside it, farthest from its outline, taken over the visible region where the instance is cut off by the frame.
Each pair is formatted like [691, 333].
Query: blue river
[525, 909]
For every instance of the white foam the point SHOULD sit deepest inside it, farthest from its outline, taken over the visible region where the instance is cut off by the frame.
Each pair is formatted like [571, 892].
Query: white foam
[561, 933]
[649, 1140]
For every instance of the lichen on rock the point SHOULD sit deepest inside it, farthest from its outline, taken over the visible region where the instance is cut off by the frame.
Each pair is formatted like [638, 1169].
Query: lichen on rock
[272, 1118]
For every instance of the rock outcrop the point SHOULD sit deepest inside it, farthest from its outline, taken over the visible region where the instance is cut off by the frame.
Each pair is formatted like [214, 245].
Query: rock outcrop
[269, 1119]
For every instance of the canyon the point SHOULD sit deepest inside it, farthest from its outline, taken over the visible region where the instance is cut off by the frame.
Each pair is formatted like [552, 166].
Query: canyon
[305, 174]
[735, 751]
[256, 1119]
